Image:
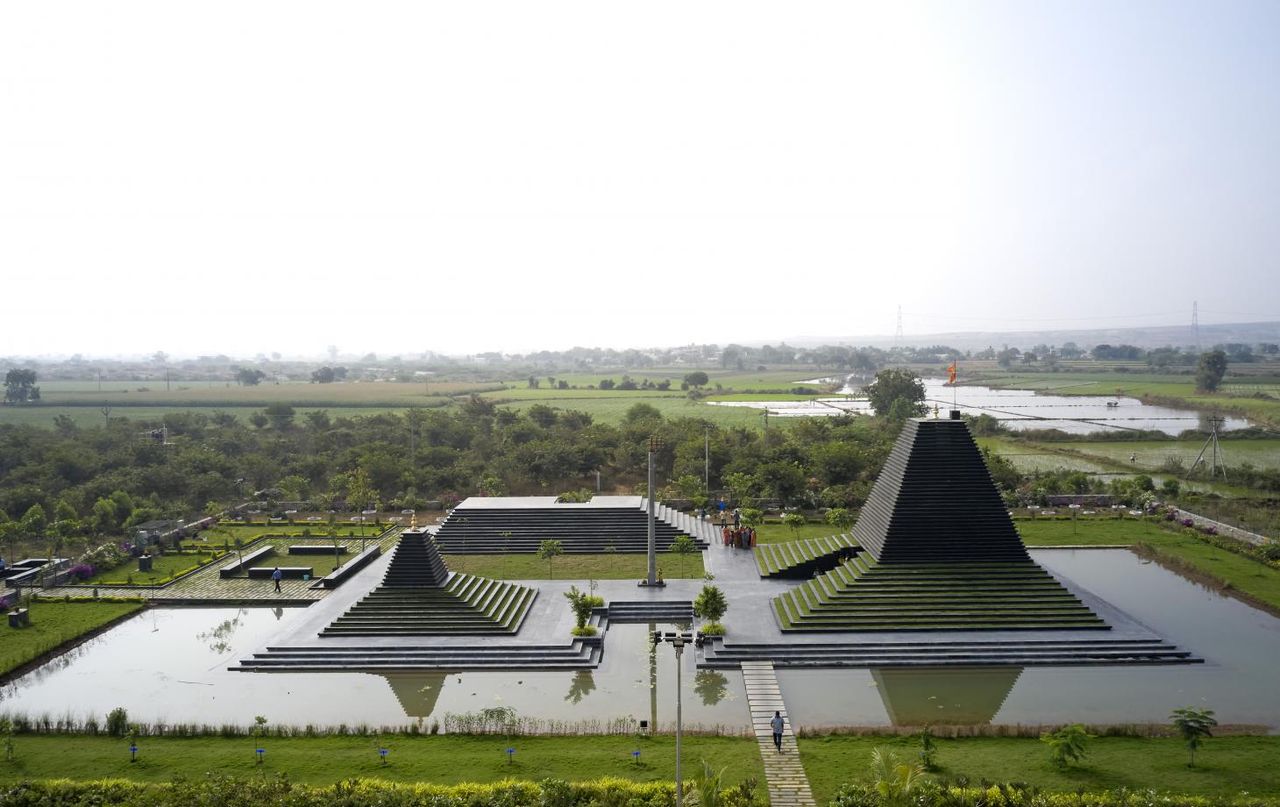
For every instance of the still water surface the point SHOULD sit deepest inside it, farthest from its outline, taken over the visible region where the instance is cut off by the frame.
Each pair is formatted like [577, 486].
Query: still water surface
[169, 665]
[1017, 409]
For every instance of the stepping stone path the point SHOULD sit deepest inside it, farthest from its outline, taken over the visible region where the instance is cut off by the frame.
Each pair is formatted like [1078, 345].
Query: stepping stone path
[783, 772]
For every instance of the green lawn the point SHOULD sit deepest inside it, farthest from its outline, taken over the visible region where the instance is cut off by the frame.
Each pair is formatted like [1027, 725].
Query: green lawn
[616, 566]
[1150, 455]
[324, 760]
[1224, 766]
[772, 532]
[163, 569]
[1091, 531]
[53, 624]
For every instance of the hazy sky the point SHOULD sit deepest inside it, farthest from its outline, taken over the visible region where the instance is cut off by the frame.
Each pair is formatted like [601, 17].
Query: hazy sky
[281, 176]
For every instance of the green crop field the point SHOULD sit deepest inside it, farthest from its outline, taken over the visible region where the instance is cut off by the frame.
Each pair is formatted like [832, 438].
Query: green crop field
[614, 409]
[1151, 455]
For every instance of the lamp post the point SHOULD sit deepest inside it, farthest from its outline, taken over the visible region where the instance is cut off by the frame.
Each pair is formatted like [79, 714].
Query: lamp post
[677, 639]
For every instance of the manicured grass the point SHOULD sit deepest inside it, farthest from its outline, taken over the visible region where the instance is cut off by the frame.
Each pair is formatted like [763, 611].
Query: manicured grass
[1224, 765]
[772, 532]
[53, 624]
[616, 566]
[1090, 531]
[163, 569]
[324, 760]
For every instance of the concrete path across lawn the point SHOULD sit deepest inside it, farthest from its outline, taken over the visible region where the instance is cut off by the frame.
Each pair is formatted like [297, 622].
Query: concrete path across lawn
[783, 772]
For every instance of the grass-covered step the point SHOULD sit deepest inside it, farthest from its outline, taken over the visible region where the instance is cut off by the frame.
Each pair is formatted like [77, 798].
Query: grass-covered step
[419, 596]
[802, 559]
[862, 595]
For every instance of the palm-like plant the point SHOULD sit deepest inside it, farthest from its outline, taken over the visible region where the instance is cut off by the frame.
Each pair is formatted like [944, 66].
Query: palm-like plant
[894, 781]
[1194, 725]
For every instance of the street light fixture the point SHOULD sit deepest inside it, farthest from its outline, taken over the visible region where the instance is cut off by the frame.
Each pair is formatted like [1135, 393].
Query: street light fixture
[678, 640]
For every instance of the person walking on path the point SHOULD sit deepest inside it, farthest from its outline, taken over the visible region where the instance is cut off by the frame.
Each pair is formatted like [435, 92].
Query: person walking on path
[276, 577]
[777, 723]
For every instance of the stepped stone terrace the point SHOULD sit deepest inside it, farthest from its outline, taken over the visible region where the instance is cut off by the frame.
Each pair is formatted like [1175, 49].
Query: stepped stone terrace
[517, 524]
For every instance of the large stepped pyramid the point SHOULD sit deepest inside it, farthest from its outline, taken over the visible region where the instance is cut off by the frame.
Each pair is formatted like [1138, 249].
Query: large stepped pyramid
[419, 596]
[517, 524]
[939, 552]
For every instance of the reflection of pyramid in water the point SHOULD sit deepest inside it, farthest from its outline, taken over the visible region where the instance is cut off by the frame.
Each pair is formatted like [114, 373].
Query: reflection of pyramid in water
[940, 552]
[952, 696]
[417, 692]
[419, 596]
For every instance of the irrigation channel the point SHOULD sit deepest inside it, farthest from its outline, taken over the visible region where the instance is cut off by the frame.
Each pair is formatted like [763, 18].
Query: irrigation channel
[170, 665]
[1015, 409]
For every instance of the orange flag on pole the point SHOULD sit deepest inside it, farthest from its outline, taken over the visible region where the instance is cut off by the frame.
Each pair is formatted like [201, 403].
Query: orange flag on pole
[951, 373]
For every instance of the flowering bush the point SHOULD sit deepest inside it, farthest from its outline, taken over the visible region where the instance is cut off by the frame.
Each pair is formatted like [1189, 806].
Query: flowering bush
[1186, 522]
[81, 571]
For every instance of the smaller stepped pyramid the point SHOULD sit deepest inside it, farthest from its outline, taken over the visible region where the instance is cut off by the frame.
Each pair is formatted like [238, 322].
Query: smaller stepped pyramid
[419, 596]
[491, 525]
[802, 559]
[939, 552]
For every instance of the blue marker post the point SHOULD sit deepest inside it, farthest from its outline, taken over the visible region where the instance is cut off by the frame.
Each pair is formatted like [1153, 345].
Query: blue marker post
[635, 757]
[511, 752]
[382, 752]
[133, 752]
[260, 752]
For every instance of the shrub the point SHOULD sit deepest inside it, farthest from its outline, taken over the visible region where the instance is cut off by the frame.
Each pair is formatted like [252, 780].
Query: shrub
[1066, 745]
[710, 604]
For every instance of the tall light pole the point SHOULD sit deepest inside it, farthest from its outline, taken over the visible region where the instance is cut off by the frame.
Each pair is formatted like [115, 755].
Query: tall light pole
[678, 640]
[655, 443]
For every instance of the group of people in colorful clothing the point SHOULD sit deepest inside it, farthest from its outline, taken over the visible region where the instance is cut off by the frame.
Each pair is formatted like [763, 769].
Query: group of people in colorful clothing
[737, 536]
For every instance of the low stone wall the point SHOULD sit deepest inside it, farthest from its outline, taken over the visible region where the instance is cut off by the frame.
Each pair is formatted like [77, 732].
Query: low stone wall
[1222, 529]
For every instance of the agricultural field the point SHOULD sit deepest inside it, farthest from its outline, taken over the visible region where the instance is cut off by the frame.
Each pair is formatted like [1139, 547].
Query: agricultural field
[1150, 456]
[1143, 385]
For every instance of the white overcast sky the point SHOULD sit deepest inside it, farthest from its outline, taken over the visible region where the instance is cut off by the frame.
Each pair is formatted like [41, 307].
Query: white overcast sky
[267, 176]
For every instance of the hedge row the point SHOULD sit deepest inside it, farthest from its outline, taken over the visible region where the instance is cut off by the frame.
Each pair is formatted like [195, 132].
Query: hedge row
[1014, 796]
[279, 792]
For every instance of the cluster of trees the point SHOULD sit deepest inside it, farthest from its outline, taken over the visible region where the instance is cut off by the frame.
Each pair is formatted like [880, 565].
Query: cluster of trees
[101, 480]
[20, 386]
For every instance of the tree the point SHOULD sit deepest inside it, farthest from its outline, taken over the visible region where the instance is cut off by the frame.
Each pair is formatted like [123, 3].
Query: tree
[1066, 745]
[325, 375]
[696, 379]
[683, 546]
[581, 603]
[840, 518]
[711, 606]
[794, 521]
[1193, 725]
[280, 415]
[549, 550]
[896, 394]
[751, 516]
[1209, 373]
[249, 377]
[20, 386]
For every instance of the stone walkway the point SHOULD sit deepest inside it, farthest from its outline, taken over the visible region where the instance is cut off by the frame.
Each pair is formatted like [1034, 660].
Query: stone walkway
[783, 772]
